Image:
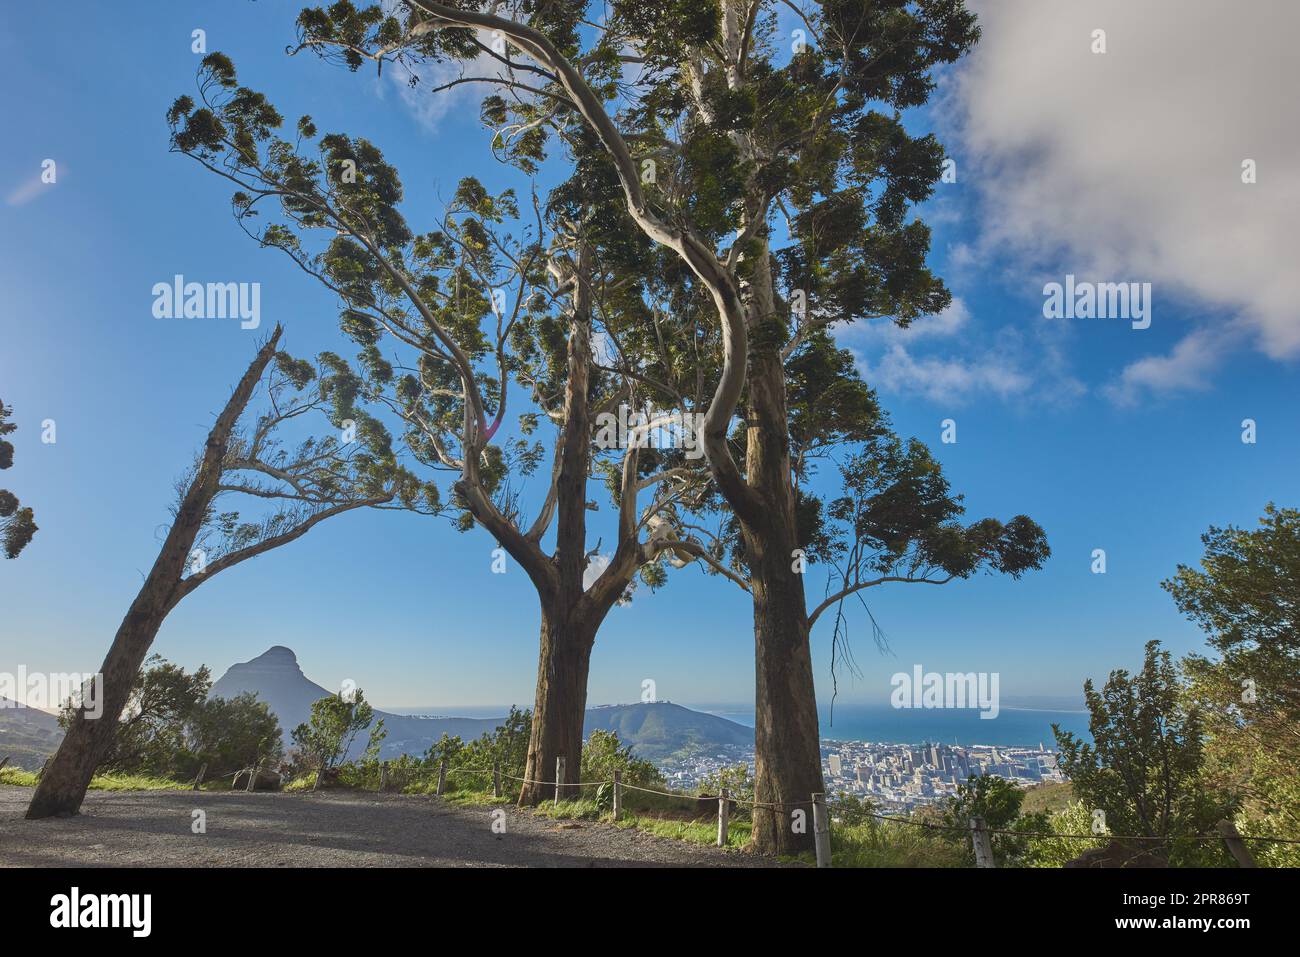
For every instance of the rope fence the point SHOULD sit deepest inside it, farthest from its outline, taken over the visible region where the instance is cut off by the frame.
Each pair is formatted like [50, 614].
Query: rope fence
[981, 834]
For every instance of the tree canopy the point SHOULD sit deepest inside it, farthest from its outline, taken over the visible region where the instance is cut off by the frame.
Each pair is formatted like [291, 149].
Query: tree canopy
[17, 523]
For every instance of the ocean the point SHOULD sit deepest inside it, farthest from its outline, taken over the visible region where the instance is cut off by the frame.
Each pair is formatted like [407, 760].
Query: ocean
[1012, 727]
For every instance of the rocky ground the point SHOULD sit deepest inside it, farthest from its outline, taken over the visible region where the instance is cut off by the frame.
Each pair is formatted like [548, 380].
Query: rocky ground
[326, 829]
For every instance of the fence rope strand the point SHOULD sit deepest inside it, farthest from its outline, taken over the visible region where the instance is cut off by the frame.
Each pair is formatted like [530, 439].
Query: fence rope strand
[783, 805]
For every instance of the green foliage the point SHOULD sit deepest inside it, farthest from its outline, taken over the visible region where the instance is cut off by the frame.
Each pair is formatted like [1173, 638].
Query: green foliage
[825, 141]
[1073, 819]
[327, 736]
[170, 727]
[897, 515]
[899, 510]
[1245, 595]
[17, 524]
[231, 734]
[828, 402]
[436, 292]
[850, 810]
[603, 754]
[1145, 769]
[151, 732]
[998, 801]
[738, 779]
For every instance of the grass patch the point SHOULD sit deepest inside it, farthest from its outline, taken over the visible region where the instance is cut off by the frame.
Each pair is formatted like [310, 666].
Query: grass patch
[889, 844]
[475, 799]
[135, 782]
[304, 782]
[705, 833]
[1051, 798]
[664, 824]
[101, 782]
[18, 777]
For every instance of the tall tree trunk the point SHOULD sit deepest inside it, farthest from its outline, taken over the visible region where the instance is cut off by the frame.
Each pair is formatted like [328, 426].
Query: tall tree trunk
[787, 746]
[566, 635]
[62, 787]
[560, 706]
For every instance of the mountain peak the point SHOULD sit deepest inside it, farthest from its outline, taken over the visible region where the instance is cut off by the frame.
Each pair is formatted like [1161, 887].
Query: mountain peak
[277, 654]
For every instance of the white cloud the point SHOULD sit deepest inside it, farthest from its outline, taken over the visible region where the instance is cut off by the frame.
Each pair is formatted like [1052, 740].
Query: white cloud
[1127, 165]
[950, 358]
[596, 565]
[1185, 368]
[945, 323]
[945, 380]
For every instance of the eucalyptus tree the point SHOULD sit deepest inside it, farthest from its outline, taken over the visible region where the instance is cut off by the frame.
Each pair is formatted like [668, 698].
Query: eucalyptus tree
[776, 166]
[17, 523]
[292, 489]
[479, 302]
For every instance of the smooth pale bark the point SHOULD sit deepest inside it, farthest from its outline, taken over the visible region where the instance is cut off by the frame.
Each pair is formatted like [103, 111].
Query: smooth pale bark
[63, 785]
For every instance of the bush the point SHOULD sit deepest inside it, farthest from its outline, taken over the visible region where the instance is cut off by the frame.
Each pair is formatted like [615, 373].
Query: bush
[998, 802]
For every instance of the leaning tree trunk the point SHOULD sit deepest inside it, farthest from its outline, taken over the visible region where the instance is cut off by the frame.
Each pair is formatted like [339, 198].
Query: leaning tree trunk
[63, 784]
[560, 707]
[787, 745]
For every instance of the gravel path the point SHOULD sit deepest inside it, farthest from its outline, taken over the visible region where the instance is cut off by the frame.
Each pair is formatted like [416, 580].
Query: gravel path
[327, 829]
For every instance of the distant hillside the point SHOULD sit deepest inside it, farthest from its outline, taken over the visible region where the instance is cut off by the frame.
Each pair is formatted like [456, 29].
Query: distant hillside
[27, 735]
[654, 730]
[661, 728]
[275, 677]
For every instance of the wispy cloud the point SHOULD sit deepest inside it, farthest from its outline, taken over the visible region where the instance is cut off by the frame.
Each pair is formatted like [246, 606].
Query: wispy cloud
[30, 189]
[949, 380]
[951, 359]
[417, 89]
[1186, 368]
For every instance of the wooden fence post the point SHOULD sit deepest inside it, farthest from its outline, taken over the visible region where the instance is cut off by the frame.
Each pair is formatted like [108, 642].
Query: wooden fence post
[979, 837]
[442, 776]
[821, 830]
[724, 812]
[559, 778]
[198, 778]
[383, 775]
[618, 793]
[1236, 846]
[496, 779]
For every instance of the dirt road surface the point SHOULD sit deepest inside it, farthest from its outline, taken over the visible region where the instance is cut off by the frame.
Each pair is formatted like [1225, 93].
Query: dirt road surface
[326, 829]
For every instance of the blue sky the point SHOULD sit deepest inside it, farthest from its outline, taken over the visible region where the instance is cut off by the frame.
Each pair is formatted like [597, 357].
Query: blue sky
[1109, 437]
